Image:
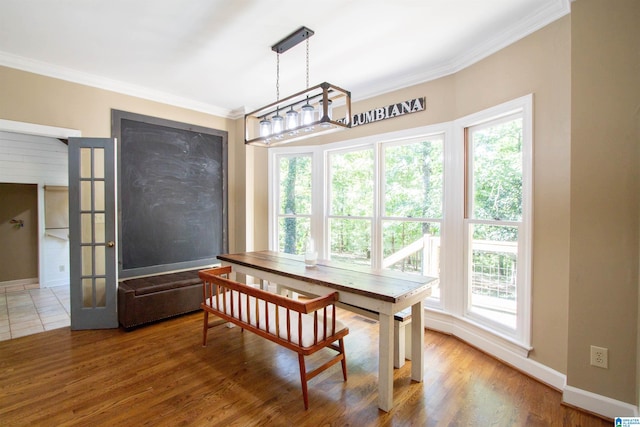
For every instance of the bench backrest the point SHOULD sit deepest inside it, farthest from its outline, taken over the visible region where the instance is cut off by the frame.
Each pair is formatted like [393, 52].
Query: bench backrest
[303, 323]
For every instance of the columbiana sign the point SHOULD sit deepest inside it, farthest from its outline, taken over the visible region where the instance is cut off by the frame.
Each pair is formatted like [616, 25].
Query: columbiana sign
[388, 112]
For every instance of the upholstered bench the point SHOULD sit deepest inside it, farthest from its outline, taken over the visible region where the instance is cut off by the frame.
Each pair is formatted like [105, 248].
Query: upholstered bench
[148, 299]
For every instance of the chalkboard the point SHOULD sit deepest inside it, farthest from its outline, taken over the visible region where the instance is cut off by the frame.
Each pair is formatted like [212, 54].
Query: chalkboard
[172, 194]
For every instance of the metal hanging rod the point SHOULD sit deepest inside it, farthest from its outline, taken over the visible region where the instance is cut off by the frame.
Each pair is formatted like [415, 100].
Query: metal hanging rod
[298, 36]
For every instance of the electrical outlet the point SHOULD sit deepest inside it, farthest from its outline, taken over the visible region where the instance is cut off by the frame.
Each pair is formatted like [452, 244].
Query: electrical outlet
[600, 357]
[61, 268]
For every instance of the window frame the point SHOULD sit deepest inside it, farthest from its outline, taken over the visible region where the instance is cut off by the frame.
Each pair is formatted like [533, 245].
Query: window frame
[274, 192]
[441, 132]
[522, 332]
[328, 216]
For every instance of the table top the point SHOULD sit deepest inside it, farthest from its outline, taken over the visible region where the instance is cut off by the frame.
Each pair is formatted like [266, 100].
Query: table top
[385, 285]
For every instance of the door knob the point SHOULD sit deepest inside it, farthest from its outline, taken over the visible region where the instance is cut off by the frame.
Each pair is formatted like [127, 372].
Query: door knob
[111, 243]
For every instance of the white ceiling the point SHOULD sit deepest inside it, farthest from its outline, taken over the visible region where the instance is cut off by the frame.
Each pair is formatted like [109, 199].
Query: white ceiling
[215, 55]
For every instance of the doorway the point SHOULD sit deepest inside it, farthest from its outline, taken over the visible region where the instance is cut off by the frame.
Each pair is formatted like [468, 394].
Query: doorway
[18, 233]
[35, 157]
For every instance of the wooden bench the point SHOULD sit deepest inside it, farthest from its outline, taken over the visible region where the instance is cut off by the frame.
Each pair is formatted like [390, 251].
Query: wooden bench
[304, 327]
[401, 334]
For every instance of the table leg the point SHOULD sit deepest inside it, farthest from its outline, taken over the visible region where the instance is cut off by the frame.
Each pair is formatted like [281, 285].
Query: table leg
[417, 341]
[385, 363]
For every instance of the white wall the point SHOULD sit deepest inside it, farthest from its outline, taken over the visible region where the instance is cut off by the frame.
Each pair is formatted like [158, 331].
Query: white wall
[41, 160]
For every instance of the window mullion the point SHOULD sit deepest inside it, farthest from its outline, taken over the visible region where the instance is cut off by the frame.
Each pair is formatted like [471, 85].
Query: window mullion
[454, 225]
[378, 202]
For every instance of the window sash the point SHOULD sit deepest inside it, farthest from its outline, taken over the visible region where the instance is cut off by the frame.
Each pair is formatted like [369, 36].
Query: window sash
[520, 329]
[292, 229]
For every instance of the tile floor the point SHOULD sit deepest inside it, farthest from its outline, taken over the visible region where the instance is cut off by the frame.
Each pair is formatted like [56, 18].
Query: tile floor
[27, 309]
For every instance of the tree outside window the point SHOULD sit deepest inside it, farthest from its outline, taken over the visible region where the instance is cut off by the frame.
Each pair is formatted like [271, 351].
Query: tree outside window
[294, 201]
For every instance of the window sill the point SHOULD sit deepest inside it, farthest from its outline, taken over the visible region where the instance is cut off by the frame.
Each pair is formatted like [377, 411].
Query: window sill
[478, 336]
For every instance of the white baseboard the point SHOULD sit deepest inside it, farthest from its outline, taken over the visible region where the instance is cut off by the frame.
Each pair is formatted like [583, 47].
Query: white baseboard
[598, 404]
[54, 283]
[513, 356]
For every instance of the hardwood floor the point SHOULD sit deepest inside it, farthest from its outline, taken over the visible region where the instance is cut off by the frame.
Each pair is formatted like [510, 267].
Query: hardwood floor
[161, 375]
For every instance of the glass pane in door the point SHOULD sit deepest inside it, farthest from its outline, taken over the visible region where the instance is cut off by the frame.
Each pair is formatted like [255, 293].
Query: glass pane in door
[92, 236]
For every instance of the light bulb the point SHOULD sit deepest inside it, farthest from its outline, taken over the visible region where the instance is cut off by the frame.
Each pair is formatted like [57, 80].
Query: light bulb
[329, 112]
[292, 119]
[308, 114]
[278, 124]
[265, 128]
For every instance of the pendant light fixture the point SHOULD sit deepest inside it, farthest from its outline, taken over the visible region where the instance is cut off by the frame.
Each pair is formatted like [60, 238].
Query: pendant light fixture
[306, 114]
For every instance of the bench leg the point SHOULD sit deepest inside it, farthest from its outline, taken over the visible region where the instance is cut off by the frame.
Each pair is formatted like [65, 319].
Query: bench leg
[303, 381]
[344, 359]
[399, 344]
[407, 342]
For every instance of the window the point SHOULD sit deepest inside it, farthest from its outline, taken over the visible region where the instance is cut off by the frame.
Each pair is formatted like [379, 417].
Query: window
[351, 205]
[412, 206]
[493, 218]
[294, 203]
[496, 242]
[452, 201]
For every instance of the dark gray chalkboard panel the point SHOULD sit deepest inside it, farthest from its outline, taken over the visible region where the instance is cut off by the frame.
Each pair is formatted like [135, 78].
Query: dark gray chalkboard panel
[172, 194]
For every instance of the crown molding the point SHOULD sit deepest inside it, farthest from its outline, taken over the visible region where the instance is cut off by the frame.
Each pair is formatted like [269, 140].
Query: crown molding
[513, 33]
[73, 76]
[508, 36]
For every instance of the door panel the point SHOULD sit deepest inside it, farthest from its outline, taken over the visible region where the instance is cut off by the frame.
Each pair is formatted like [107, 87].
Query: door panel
[92, 233]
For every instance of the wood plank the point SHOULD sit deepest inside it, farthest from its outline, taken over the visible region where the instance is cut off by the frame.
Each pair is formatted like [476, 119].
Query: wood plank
[161, 375]
[379, 284]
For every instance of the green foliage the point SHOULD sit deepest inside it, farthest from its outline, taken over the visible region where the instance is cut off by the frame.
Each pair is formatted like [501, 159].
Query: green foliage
[294, 233]
[413, 179]
[413, 189]
[497, 196]
[295, 199]
[352, 183]
[397, 235]
[497, 172]
[295, 185]
[351, 240]
[351, 189]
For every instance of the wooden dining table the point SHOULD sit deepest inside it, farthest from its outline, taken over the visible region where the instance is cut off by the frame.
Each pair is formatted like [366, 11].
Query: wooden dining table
[382, 292]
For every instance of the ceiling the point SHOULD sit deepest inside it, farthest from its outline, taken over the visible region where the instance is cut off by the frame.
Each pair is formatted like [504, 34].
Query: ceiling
[215, 55]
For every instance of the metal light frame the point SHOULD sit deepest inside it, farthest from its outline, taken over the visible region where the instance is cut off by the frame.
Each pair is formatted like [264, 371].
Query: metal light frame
[317, 96]
[324, 98]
